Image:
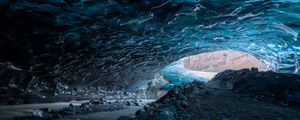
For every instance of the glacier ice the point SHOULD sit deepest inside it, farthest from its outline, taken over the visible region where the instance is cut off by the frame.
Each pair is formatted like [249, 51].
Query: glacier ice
[110, 44]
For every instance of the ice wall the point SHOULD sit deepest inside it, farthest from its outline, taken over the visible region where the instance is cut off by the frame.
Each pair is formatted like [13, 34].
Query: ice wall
[51, 46]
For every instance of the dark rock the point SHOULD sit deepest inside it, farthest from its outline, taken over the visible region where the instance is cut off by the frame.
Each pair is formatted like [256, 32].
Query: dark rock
[146, 107]
[136, 103]
[254, 69]
[184, 105]
[128, 103]
[250, 85]
[292, 97]
[138, 112]
[125, 118]
[282, 87]
[181, 97]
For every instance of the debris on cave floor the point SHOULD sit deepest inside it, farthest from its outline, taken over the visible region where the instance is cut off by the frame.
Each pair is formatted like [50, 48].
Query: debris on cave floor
[89, 110]
[233, 94]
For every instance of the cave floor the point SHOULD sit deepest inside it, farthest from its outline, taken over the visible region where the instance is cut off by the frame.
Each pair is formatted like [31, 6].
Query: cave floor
[11, 111]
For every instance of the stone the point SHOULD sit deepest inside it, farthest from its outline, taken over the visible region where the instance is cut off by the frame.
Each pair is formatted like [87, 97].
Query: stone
[182, 97]
[184, 104]
[128, 103]
[125, 118]
[138, 112]
[42, 113]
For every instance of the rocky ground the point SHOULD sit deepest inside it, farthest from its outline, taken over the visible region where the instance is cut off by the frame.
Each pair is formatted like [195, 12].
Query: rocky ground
[243, 94]
[85, 108]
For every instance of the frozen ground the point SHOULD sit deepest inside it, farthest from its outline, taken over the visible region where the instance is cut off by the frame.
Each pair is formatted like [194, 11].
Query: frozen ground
[113, 115]
[11, 111]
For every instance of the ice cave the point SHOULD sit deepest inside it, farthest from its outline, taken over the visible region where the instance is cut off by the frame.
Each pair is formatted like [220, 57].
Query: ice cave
[149, 59]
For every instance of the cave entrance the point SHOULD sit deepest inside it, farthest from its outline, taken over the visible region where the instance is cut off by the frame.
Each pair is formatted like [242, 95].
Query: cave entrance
[208, 64]
[201, 67]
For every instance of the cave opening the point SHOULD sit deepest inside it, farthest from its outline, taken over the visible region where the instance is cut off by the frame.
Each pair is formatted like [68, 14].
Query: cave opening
[202, 67]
